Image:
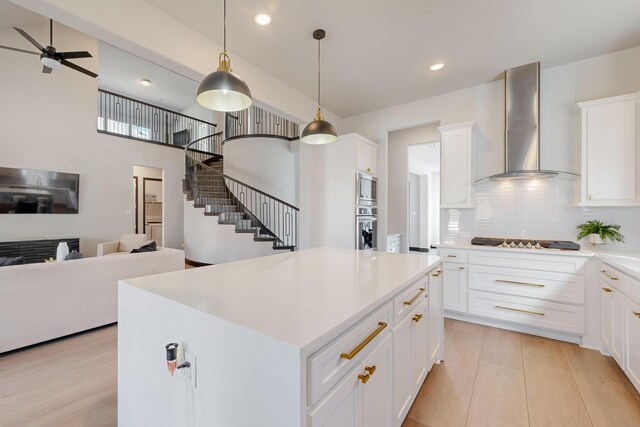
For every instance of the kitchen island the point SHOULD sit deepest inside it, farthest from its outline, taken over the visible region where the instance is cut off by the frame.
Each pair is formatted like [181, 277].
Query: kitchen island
[314, 337]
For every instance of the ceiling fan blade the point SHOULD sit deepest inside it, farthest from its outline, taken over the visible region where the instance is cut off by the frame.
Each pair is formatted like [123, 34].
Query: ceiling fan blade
[78, 68]
[46, 69]
[74, 55]
[28, 37]
[19, 50]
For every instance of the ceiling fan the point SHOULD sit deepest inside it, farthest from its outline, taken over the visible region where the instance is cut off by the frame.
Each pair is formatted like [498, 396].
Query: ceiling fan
[49, 57]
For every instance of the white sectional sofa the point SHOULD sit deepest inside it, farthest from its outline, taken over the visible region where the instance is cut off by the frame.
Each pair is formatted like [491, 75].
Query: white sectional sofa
[39, 302]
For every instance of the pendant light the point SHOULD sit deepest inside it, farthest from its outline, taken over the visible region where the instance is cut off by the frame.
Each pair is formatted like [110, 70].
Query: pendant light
[223, 90]
[319, 131]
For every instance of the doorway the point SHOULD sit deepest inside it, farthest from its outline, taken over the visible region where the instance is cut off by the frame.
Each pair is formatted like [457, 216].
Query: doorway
[424, 196]
[148, 202]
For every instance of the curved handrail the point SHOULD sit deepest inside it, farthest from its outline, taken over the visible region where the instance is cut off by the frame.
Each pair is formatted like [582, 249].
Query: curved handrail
[256, 122]
[277, 217]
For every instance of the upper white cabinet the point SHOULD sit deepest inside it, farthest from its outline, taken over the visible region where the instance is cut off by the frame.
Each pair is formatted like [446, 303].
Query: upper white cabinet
[610, 151]
[456, 163]
[366, 156]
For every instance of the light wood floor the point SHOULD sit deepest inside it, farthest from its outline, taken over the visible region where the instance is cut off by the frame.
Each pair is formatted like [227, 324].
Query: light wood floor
[490, 377]
[493, 377]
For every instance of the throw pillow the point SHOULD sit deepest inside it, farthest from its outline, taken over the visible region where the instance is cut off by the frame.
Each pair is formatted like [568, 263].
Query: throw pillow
[11, 261]
[149, 247]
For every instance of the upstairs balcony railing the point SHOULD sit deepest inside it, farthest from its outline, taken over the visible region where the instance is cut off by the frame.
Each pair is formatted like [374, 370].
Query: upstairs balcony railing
[130, 118]
[258, 122]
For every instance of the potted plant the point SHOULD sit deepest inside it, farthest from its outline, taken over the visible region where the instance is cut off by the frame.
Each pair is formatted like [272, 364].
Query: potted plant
[599, 232]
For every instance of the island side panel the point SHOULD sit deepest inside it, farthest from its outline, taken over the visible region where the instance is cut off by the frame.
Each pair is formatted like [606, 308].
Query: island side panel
[242, 378]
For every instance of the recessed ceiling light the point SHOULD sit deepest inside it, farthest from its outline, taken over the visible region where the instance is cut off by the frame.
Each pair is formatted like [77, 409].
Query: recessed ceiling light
[263, 19]
[161, 100]
[437, 66]
[145, 82]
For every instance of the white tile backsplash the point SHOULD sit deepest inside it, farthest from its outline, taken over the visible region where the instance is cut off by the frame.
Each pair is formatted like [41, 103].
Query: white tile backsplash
[534, 209]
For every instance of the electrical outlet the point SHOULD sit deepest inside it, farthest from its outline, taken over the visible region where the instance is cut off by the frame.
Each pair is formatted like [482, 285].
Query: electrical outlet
[188, 375]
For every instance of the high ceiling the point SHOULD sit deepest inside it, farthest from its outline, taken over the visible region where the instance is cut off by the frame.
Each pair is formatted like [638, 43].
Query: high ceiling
[16, 16]
[377, 52]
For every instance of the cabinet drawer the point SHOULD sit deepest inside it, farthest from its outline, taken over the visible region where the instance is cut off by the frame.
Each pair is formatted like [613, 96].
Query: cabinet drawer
[610, 275]
[541, 260]
[332, 362]
[408, 299]
[561, 287]
[453, 255]
[528, 311]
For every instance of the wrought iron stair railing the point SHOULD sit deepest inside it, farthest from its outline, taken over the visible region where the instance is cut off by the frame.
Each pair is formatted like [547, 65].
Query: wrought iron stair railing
[258, 122]
[248, 208]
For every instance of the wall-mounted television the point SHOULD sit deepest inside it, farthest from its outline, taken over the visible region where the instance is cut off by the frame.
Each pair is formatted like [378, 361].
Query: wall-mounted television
[28, 191]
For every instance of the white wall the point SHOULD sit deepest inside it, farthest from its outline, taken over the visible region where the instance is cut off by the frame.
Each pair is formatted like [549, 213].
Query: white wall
[209, 242]
[561, 87]
[414, 210]
[267, 164]
[49, 123]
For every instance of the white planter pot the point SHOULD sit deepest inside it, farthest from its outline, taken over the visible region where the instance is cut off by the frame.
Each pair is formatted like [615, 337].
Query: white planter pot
[595, 239]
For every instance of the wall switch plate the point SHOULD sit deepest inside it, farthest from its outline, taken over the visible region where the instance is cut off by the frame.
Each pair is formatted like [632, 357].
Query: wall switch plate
[465, 234]
[188, 375]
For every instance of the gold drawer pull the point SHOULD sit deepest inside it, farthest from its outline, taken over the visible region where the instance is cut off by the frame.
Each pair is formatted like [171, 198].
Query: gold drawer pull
[364, 378]
[417, 318]
[452, 256]
[607, 290]
[637, 314]
[460, 268]
[363, 344]
[412, 300]
[436, 274]
[606, 273]
[370, 369]
[520, 310]
[537, 285]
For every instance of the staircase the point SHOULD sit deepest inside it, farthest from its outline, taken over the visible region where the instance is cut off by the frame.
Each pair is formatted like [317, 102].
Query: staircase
[235, 203]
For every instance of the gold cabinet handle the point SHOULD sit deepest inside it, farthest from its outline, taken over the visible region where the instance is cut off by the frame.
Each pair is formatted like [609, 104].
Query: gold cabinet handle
[370, 369]
[368, 169]
[364, 378]
[590, 197]
[417, 318]
[436, 274]
[520, 310]
[537, 285]
[637, 314]
[606, 273]
[607, 290]
[363, 344]
[460, 268]
[452, 256]
[412, 300]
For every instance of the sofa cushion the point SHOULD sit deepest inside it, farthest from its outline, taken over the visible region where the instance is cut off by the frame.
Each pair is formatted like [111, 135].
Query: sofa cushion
[11, 261]
[128, 242]
[149, 247]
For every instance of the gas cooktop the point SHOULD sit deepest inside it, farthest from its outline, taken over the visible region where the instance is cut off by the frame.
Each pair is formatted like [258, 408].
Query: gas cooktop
[525, 243]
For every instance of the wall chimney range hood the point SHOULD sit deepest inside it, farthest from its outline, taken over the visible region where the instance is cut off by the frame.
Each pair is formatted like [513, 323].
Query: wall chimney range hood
[522, 124]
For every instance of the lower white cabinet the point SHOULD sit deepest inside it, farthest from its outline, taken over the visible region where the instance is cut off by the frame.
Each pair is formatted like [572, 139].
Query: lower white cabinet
[363, 397]
[618, 323]
[409, 359]
[633, 343]
[454, 287]
[435, 323]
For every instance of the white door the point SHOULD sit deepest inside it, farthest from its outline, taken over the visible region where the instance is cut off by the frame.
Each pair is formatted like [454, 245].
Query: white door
[611, 151]
[377, 397]
[454, 287]
[633, 343]
[342, 407]
[618, 308]
[606, 313]
[435, 317]
[402, 370]
[419, 353]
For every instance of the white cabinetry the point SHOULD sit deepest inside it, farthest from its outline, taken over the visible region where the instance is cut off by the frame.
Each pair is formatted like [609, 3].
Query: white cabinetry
[633, 342]
[456, 163]
[436, 327]
[366, 156]
[611, 151]
[454, 281]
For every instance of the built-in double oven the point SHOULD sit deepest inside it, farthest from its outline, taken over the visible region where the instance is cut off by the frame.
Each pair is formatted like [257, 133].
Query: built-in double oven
[366, 211]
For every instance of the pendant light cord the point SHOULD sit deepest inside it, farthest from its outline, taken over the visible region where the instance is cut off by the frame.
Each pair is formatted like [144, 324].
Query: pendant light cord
[318, 74]
[50, 32]
[225, 25]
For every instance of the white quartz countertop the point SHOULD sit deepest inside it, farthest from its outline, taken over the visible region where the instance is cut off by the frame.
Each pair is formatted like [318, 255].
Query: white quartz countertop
[297, 297]
[469, 246]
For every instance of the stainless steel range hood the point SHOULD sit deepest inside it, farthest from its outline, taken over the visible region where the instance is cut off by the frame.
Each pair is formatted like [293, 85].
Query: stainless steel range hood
[522, 124]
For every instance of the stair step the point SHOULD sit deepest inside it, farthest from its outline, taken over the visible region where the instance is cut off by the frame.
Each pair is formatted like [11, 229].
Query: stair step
[281, 247]
[232, 216]
[244, 224]
[264, 239]
[247, 230]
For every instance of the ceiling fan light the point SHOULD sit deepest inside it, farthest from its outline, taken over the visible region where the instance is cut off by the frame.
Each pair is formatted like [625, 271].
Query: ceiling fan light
[50, 62]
